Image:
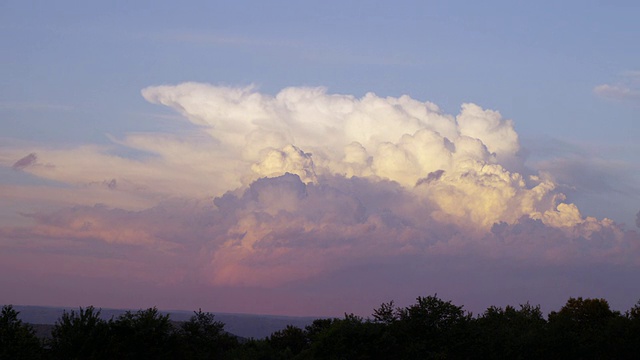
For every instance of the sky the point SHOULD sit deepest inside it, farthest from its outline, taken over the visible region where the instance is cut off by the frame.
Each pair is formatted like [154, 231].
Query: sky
[320, 157]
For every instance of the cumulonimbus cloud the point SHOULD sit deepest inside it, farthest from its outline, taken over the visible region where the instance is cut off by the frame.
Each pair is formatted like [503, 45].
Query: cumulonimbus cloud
[306, 182]
[311, 133]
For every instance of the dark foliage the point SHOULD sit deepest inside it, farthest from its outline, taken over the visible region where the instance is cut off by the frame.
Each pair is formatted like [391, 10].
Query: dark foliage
[510, 333]
[80, 335]
[204, 338]
[17, 340]
[429, 329]
[145, 334]
[586, 329]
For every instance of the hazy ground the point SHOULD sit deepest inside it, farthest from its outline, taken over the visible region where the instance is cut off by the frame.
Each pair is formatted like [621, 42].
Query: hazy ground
[243, 325]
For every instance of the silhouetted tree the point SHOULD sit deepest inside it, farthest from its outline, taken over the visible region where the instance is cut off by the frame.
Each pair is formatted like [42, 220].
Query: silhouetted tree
[348, 338]
[626, 333]
[432, 328]
[290, 341]
[17, 340]
[317, 327]
[386, 314]
[80, 335]
[253, 349]
[429, 329]
[510, 333]
[145, 334]
[204, 338]
[582, 329]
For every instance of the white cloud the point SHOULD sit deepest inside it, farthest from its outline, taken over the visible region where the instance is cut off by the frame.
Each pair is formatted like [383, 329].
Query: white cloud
[617, 92]
[306, 182]
[242, 135]
[289, 159]
[627, 89]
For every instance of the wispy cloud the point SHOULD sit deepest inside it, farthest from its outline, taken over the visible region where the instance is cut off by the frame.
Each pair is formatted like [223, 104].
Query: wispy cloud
[617, 92]
[626, 89]
[586, 168]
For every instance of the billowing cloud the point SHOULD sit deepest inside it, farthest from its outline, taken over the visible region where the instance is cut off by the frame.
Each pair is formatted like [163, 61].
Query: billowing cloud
[307, 132]
[263, 191]
[281, 229]
[289, 159]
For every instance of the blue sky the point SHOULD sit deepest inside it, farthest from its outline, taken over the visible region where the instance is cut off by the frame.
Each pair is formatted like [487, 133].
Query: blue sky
[567, 73]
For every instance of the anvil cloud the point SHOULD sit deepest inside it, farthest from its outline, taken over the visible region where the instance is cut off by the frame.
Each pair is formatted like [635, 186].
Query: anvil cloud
[263, 191]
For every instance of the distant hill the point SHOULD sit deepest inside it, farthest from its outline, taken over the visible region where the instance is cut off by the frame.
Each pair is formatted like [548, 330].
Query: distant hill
[243, 325]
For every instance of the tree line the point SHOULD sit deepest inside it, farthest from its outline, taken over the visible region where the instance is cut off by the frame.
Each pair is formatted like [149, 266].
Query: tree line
[429, 329]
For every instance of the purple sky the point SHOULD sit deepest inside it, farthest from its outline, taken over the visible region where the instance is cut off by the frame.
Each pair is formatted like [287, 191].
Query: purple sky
[318, 159]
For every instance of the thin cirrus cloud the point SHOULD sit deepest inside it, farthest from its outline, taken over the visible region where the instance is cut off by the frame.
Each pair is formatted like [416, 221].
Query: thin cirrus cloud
[268, 190]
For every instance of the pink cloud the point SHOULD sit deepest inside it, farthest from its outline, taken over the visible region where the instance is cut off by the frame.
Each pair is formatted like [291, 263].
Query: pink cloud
[307, 195]
[280, 231]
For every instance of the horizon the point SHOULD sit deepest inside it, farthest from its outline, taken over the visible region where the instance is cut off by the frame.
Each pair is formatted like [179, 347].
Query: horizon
[182, 313]
[289, 159]
[163, 311]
